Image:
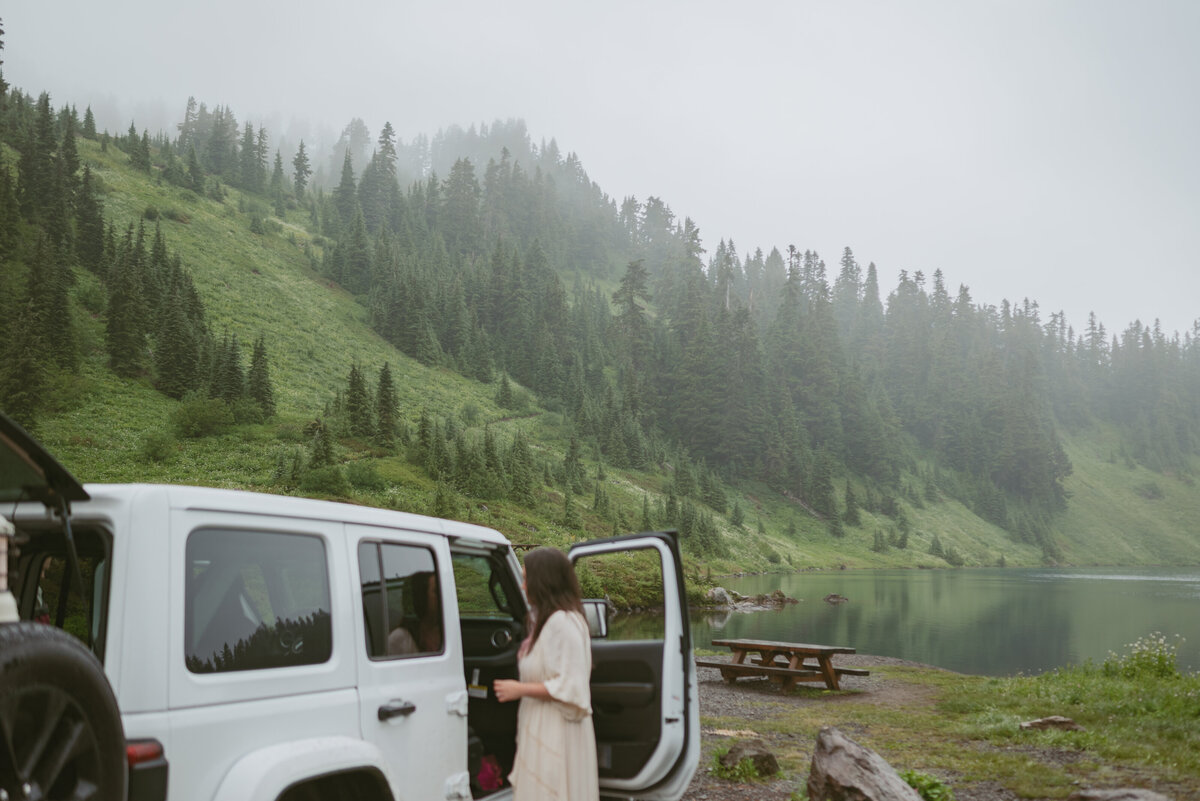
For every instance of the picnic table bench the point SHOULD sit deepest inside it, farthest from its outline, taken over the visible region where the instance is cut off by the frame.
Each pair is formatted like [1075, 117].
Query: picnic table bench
[782, 661]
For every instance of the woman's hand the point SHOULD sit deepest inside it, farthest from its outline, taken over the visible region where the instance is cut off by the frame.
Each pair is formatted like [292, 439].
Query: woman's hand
[507, 690]
[511, 689]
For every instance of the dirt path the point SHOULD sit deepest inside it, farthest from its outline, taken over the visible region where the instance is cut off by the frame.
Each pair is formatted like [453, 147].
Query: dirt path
[757, 699]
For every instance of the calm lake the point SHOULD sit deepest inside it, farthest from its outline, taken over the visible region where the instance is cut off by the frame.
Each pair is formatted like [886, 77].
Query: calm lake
[983, 621]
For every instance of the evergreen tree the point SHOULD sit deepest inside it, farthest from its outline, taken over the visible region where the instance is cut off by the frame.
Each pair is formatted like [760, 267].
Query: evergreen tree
[278, 194]
[570, 519]
[504, 393]
[851, 515]
[248, 160]
[89, 226]
[880, 544]
[387, 408]
[573, 472]
[935, 547]
[229, 378]
[139, 153]
[127, 318]
[443, 504]
[49, 283]
[68, 156]
[259, 380]
[520, 472]
[358, 405]
[345, 196]
[23, 372]
[300, 171]
[737, 517]
[37, 188]
[177, 355]
[89, 125]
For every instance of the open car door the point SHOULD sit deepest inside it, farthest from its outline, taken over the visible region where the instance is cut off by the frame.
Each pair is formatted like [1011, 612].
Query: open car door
[644, 702]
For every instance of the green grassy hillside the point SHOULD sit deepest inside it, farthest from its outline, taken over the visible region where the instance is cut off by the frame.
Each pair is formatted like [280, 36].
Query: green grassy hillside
[265, 285]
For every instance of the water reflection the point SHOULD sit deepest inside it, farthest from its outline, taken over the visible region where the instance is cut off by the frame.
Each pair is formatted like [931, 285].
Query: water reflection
[984, 621]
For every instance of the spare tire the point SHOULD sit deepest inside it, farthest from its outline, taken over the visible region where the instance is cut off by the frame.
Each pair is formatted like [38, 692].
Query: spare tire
[60, 730]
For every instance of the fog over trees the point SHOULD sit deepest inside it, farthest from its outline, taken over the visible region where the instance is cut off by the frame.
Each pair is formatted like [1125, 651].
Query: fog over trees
[483, 251]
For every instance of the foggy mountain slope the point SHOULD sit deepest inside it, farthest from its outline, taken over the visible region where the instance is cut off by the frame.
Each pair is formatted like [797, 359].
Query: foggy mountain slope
[573, 364]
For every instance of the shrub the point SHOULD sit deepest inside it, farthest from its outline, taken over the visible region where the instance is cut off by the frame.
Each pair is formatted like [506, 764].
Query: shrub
[201, 417]
[953, 557]
[151, 213]
[246, 410]
[1148, 657]
[325, 481]
[930, 788]
[157, 446]
[364, 476]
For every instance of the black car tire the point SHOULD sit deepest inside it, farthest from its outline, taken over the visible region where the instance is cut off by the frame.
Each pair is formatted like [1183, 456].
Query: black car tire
[60, 730]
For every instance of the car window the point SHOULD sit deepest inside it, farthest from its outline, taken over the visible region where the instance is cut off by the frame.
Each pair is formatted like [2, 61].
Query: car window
[402, 610]
[255, 600]
[628, 580]
[481, 593]
[47, 589]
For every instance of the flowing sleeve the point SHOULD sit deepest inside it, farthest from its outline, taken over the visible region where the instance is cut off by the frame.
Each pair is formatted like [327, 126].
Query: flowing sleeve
[568, 660]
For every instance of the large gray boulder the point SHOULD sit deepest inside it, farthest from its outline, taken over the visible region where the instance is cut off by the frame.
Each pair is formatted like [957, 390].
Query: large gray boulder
[719, 596]
[843, 770]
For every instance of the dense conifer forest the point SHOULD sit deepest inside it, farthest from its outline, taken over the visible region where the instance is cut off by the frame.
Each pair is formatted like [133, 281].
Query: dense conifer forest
[701, 368]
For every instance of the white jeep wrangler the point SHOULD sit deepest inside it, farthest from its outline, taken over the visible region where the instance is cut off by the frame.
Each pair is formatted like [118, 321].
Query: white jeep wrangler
[167, 642]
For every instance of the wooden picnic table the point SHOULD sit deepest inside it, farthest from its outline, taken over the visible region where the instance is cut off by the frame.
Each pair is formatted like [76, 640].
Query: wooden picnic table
[782, 661]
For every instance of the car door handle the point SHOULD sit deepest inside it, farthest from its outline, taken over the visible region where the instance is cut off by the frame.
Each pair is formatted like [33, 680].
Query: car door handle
[396, 709]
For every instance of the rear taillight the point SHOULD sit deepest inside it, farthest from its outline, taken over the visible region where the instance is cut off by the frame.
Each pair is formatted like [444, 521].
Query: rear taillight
[138, 752]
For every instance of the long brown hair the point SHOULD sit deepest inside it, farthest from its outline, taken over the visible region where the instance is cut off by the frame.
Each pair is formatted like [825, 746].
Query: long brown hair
[551, 585]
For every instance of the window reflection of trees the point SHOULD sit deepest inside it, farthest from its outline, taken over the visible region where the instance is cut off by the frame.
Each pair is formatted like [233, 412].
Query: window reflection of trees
[289, 642]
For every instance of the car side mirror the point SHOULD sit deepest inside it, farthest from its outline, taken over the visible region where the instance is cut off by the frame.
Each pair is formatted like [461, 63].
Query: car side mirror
[596, 612]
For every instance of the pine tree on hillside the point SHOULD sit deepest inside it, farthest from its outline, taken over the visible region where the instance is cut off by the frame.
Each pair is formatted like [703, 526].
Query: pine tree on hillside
[387, 408]
[278, 194]
[177, 354]
[3, 83]
[321, 446]
[89, 226]
[88, 131]
[358, 405]
[258, 380]
[49, 285]
[23, 373]
[260, 164]
[631, 319]
[573, 472]
[139, 149]
[851, 515]
[345, 196]
[36, 188]
[520, 472]
[10, 216]
[228, 379]
[195, 173]
[68, 157]
[127, 317]
[248, 160]
[300, 171]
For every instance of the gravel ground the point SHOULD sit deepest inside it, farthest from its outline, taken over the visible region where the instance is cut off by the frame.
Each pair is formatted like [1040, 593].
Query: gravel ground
[754, 698]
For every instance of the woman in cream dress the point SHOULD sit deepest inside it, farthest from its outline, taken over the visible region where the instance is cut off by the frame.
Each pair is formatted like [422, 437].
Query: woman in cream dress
[556, 744]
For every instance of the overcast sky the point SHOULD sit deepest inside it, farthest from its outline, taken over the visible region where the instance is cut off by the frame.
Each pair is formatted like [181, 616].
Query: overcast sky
[1035, 148]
